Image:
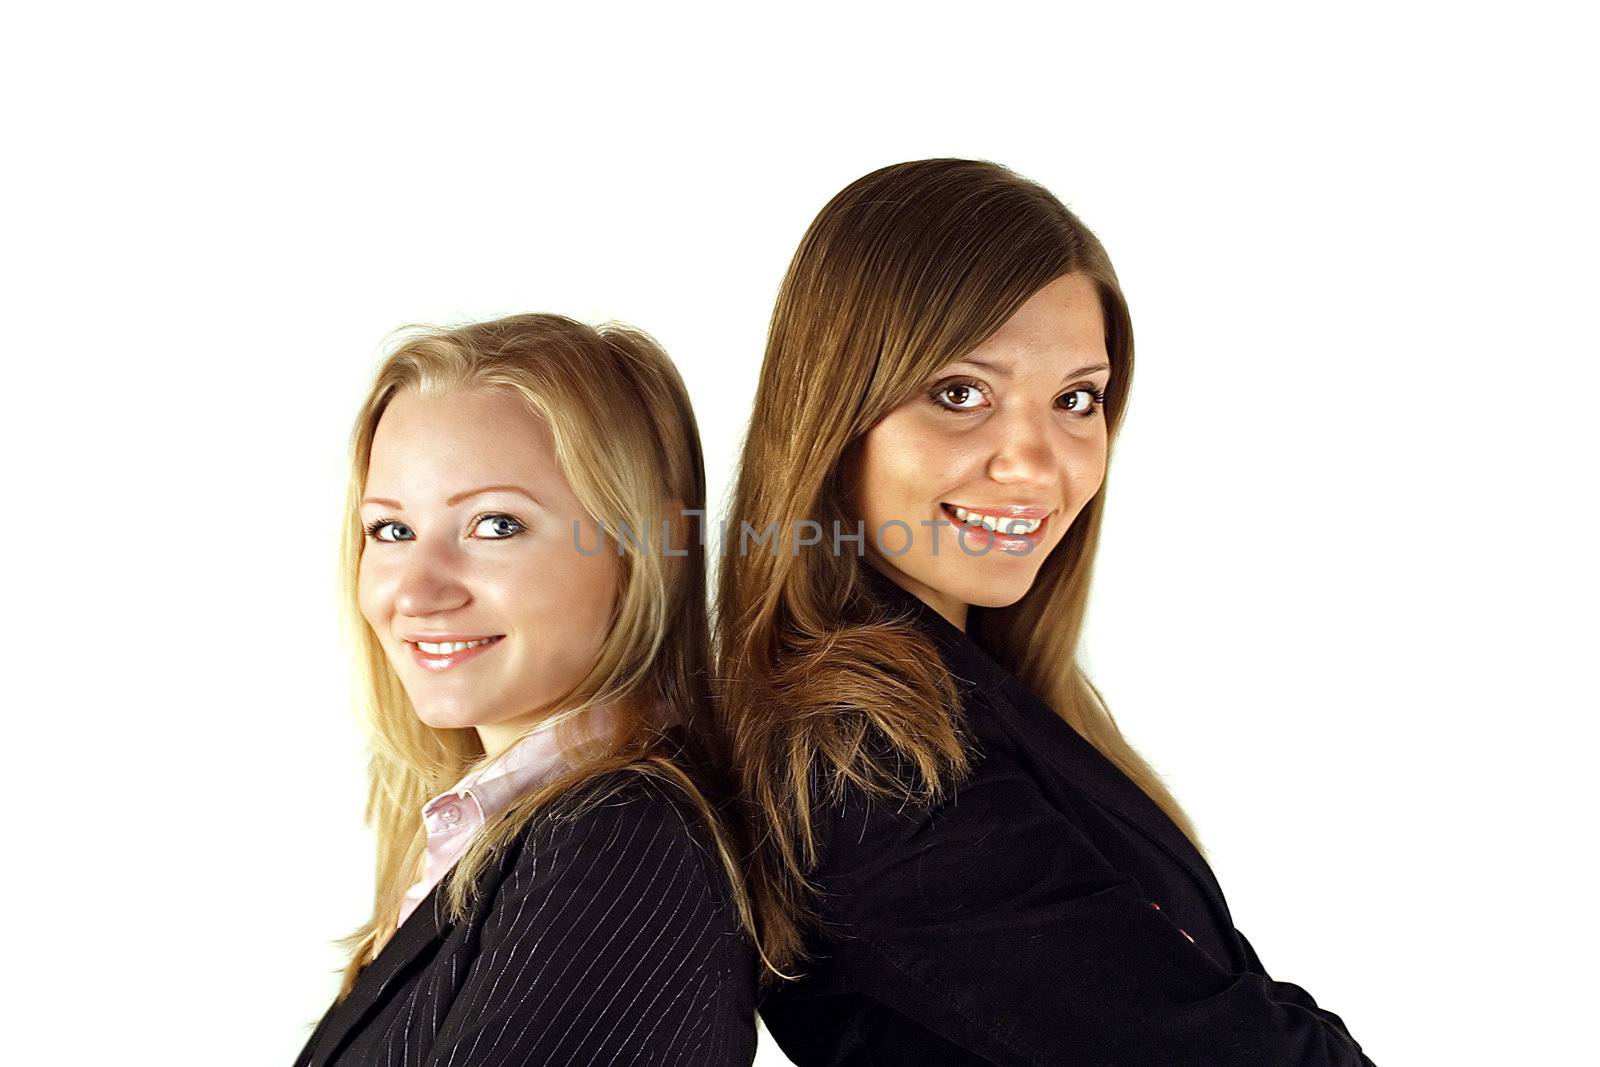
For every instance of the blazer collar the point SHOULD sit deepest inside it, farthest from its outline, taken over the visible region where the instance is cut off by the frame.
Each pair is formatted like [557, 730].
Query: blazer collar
[969, 661]
[422, 930]
[975, 668]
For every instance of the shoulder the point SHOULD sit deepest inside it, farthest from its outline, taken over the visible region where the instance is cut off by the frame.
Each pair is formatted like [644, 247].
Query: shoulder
[612, 929]
[865, 833]
[632, 811]
[625, 838]
[987, 737]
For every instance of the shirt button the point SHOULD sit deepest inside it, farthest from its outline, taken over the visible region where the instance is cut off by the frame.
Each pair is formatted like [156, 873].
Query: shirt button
[450, 814]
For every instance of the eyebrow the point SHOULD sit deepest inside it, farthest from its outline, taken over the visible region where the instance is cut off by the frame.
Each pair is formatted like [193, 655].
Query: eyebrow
[1005, 372]
[459, 497]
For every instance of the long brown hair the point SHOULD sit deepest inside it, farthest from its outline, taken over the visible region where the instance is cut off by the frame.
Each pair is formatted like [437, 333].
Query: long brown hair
[905, 270]
[626, 440]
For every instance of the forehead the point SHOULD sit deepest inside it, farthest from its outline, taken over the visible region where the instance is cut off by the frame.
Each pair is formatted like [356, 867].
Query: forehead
[1062, 321]
[431, 445]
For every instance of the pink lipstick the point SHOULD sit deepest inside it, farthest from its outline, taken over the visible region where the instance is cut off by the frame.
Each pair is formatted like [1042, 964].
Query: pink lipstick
[443, 661]
[979, 540]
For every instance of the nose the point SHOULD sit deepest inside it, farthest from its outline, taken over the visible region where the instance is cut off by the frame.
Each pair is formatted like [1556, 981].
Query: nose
[430, 582]
[1021, 452]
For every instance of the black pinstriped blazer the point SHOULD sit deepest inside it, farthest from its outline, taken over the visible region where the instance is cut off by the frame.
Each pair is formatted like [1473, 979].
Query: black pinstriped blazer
[1046, 912]
[605, 938]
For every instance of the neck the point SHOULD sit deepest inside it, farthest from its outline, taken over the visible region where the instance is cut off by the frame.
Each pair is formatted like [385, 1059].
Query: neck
[952, 609]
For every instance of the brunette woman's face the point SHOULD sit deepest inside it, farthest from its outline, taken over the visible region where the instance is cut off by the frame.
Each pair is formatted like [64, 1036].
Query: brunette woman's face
[470, 539]
[1011, 435]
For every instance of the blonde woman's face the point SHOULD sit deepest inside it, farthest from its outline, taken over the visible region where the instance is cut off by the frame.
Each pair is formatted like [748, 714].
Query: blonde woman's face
[470, 538]
[1012, 431]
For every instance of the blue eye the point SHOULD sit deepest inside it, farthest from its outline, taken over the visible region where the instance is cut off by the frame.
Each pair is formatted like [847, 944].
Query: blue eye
[505, 527]
[517, 527]
[379, 524]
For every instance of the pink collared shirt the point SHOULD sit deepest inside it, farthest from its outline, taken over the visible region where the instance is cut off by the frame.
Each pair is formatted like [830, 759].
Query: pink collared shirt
[454, 817]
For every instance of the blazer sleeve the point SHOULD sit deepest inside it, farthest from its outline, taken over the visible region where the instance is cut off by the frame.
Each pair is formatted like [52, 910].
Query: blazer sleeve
[1288, 990]
[611, 940]
[993, 921]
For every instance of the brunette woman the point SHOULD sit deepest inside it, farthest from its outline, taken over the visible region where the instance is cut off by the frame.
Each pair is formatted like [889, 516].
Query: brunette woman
[965, 862]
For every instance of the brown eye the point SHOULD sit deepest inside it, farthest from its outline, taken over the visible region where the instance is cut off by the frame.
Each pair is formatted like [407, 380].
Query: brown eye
[1083, 402]
[958, 396]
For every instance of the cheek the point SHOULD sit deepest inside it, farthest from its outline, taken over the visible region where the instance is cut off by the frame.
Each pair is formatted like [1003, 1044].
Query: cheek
[899, 467]
[369, 592]
[566, 593]
[592, 594]
[1083, 469]
[1086, 467]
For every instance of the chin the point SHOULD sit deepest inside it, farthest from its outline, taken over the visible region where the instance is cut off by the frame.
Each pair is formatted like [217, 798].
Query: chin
[448, 718]
[990, 593]
[990, 597]
[993, 601]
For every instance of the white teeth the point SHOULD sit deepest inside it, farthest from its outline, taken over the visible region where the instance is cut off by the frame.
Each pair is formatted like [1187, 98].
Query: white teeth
[444, 648]
[998, 525]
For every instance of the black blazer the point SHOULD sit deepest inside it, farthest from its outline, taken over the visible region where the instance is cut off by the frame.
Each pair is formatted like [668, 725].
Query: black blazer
[1047, 912]
[604, 939]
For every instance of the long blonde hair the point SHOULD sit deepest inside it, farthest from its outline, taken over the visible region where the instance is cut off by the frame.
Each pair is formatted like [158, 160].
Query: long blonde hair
[626, 440]
[905, 270]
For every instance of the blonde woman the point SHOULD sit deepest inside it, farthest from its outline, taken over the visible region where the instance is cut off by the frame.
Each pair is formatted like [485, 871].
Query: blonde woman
[965, 862]
[554, 883]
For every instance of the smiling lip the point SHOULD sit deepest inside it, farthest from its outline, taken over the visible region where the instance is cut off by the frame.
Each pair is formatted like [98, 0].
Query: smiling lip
[1004, 511]
[441, 638]
[432, 661]
[1014, 544]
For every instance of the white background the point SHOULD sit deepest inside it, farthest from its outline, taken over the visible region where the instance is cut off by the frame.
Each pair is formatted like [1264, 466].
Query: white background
[1344, 601]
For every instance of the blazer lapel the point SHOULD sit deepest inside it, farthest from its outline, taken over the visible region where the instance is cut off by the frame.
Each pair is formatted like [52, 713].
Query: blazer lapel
[1136, 809]
[985, 679]
[420, 932]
